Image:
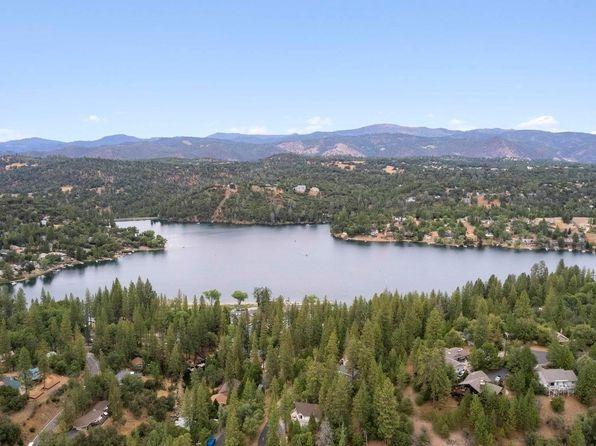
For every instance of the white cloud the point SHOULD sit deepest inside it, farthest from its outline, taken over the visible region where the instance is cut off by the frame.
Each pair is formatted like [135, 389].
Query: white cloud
[251, 130]
[10, 134]
[545, 122]
[314, 124]
[593, 133]
[459, 124]
[93, 118]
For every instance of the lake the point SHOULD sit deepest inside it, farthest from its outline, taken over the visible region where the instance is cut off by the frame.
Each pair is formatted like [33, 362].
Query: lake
[293, 261]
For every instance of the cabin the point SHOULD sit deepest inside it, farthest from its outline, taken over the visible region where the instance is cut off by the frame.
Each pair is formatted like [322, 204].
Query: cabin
[457, 357]
[303, 412]
[557, 381]
[478, 382]
[96, 416]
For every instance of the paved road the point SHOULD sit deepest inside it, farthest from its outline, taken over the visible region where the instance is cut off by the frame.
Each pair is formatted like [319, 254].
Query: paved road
[92, 364]
[47, 428]
[93, 367]
[263, 436]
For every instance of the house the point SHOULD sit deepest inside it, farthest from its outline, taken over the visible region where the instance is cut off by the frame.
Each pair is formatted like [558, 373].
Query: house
[557, 381]
[221, 393]
[220, 398]
[457, 357]
[96, 416]
[11, 381]
[137, 363]
[478, 382]
[300, 189]
[34, 374]
[303, 412]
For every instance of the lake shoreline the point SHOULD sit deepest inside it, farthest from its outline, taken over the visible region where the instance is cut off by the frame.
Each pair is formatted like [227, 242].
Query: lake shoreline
[371, 239]
[72, 263]
[293, 262]
[359, 238]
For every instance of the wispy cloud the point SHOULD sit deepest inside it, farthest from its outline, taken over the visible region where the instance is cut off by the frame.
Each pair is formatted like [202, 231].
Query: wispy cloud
[314, 124]
[10, 134]
[460, 124]
[545, 122]
[251, 130]
[93, 118]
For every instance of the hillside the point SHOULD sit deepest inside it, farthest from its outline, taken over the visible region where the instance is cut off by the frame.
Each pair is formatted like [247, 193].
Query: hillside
[381, 140]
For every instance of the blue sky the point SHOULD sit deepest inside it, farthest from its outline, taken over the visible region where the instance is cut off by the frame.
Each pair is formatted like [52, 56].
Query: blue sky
[83, 69]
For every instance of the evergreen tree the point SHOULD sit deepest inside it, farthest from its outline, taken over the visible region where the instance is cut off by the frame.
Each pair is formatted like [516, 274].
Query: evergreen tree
[233, 433]
[387, 416]
[585, 388]
[560, 356]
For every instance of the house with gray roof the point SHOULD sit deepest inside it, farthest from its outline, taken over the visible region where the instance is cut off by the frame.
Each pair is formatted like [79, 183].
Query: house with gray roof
[479, 382]
[303, 412]
[557, 381]
[96, 416]
[457, 357]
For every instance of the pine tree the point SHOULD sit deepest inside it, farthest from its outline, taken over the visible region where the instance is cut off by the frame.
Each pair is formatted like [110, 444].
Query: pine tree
[114, 398]
[273, 425]
[434, 326]
[387, 416]
[585, 388]
[479, 423]
[195, 409]
[286, 356]
[233, 433]
[560, 356]
[23, 366]
[337, 403]
[176, 361]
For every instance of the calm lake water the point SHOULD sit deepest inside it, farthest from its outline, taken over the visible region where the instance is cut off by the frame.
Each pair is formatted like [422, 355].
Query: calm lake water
[293, 261]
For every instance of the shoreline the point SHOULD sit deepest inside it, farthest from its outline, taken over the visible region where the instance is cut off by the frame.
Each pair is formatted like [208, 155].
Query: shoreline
[360, 238]
[371, 239]
[72, 263]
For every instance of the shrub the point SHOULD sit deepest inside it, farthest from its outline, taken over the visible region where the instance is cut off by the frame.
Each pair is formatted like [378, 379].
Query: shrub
[557, 404]
[11, 400]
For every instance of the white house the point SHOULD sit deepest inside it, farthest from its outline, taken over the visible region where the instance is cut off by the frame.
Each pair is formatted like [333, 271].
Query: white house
[303, 412]
[557, 381]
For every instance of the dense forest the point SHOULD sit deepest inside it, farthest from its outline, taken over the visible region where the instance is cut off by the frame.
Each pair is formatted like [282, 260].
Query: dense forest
[370, 370]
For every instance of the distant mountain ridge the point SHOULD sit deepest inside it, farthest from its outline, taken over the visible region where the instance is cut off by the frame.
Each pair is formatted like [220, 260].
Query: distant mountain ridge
[378, 140]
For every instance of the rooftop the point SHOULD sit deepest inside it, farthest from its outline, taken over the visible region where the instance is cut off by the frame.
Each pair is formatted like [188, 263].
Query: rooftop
[479, 381]
[553, 375]
[308, 409]
[94, 416]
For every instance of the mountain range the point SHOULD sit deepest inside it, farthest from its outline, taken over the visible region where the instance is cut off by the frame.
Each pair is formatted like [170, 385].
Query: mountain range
[379, 140]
